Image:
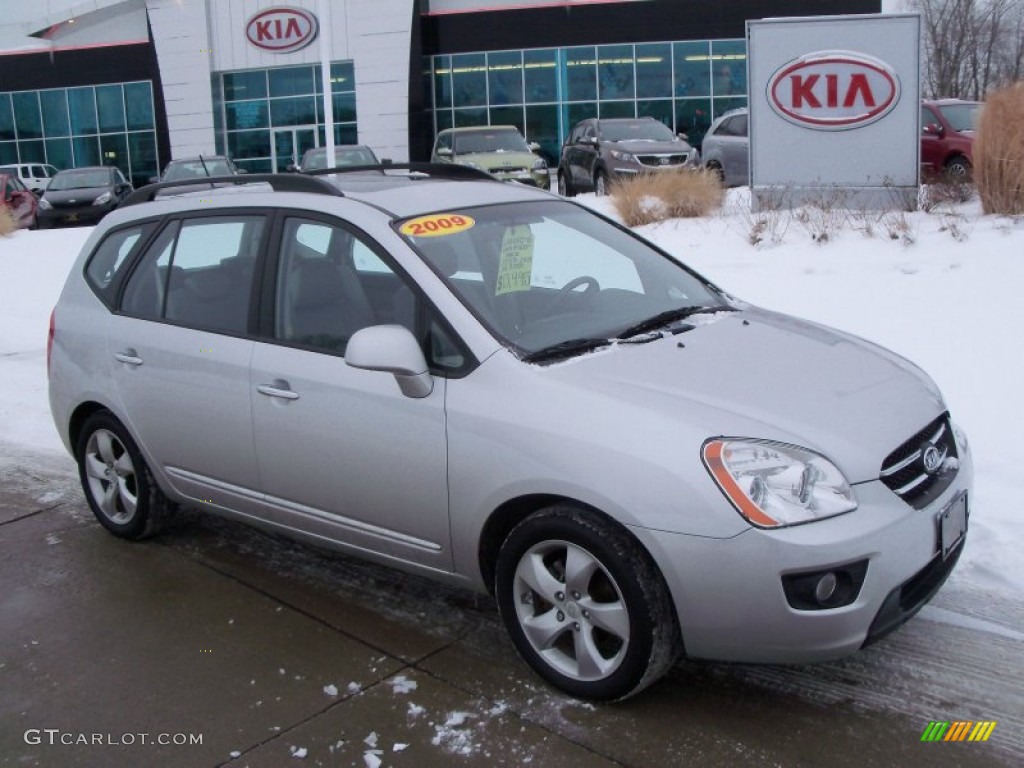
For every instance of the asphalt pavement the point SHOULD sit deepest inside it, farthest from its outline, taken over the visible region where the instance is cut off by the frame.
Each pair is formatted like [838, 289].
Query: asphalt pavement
[216, 644]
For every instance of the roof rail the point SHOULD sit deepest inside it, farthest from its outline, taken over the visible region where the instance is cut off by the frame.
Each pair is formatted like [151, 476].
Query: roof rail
[279, 182]
[416, 170]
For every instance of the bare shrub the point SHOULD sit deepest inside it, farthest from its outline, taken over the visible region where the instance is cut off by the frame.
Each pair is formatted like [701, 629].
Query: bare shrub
[8, 224]
[999, 152]
[955, 225]
[658, 196]
[897, 227]
[944, 191]
[826, 214]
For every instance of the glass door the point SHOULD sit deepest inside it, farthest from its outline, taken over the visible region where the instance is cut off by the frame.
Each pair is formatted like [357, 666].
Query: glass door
[290, 144]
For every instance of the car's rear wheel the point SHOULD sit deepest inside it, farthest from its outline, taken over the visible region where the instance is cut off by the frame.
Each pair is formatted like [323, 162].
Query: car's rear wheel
[118, 485]
[601, 183]
[585, 605]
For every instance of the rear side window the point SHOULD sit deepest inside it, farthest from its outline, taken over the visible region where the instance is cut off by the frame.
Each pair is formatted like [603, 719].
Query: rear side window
[110, 258]
[198, 273]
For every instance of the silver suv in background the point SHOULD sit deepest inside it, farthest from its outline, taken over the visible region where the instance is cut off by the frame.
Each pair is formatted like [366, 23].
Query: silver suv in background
[494, 387]
[726, 148]
[600, 151]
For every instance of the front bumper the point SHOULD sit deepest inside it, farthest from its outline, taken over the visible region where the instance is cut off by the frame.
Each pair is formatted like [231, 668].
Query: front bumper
[539, 179]
[82, 214]
[729, 593]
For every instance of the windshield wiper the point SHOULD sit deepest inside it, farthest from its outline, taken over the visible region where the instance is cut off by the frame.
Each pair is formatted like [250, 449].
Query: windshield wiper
[567, 348]
[670, 316]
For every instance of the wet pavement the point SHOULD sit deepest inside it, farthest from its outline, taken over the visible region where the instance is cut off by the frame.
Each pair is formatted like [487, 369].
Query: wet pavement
[269, 653]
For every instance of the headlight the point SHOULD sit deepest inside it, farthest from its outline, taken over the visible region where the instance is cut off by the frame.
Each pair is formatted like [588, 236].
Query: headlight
[44, 205]
[623, 157]
[774, 484]
[540, 165]
[102, 199]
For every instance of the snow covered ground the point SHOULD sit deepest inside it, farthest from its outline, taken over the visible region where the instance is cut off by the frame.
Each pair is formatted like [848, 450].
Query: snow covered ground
[940, 288]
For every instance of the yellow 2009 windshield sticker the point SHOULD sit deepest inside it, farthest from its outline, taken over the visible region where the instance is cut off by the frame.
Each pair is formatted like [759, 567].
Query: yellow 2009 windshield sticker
[437, 225]
[516, 266]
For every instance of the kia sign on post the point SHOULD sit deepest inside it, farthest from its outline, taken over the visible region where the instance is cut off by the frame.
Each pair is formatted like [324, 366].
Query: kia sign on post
[834, 111]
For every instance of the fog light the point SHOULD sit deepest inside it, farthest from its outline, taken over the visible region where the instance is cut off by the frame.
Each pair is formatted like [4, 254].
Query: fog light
[825, 588]
[822, 590]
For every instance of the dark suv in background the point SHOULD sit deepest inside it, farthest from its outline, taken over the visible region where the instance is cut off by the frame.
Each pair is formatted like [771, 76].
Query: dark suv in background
[947, 136]
[600, 151]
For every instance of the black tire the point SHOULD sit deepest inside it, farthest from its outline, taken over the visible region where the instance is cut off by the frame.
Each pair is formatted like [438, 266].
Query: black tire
[601, 182]
[616, 580]
[565, 187]
[718, 170]
[116, 480]
[958, 169]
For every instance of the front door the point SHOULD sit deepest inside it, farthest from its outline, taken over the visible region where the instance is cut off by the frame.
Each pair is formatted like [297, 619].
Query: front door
[342, 453]
[290, 144]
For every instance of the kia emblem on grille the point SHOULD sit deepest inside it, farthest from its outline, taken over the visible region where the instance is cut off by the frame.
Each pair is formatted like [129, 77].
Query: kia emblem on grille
[664, 161]
[932, 459]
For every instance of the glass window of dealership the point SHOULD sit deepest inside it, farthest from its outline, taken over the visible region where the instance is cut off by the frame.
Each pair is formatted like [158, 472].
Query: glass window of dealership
[267, 118]
[546, 91]
[110, 124]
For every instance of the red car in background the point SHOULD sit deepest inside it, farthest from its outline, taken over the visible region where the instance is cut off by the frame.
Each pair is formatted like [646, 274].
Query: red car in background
[947, 136]
[18, 200]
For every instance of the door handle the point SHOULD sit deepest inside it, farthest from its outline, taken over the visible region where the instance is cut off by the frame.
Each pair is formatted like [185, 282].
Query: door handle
[129, 357]
[278, 388]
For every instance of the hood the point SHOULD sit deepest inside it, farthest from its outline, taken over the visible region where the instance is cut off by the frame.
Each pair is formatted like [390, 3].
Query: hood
[81, 196]
[496, 161]
[641, 147]
[763, 375]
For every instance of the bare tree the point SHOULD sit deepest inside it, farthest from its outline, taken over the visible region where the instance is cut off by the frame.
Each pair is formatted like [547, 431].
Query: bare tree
[970, 46]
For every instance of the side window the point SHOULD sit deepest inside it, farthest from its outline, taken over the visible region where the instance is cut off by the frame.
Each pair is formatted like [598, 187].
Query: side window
[111, 256]
[444, 141]
[589, 131]
[740, 127]
[927, 118]
[38, 172]
[210, 281]
[199, 274]
[320, 301]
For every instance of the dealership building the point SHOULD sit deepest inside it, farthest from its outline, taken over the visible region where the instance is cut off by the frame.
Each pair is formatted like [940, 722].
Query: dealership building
[135, 83]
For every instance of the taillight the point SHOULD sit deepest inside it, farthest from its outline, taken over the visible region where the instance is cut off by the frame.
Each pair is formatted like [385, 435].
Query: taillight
[49, 342]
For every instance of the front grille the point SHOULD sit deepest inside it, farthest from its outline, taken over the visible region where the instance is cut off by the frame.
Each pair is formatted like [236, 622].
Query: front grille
[904, 470]
[656, 160]
[509, 170]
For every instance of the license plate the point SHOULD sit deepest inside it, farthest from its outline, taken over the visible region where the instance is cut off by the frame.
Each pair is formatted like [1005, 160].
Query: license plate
[952, 524]
[72, 217]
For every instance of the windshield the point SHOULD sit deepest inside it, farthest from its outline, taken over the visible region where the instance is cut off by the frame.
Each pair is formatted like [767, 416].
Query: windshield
[192, 168]
[635, 130]
[317, 158]
[962, 117]
[80, 179]
[544, 273]
[489, 141]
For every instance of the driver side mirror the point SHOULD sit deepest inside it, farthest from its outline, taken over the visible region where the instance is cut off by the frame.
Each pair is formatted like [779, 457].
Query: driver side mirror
[444, 152]
[932, 129]
[534, 146]
[391, 349]
[683, 136]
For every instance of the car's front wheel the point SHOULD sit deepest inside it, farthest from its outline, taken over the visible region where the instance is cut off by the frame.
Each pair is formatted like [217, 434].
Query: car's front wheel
[565, 188]
[118, 485]
[959, 168]
[585, 605]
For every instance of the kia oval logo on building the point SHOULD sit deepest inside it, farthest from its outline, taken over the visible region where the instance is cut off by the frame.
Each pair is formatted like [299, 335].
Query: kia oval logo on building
[282, 30]
[834, 90]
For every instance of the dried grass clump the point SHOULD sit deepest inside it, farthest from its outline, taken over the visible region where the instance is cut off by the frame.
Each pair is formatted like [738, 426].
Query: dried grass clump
[999, 152]
[8, 224]
[667, 195]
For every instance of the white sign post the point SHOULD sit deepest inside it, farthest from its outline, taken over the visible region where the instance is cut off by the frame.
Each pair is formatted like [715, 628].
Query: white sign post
[835, 109]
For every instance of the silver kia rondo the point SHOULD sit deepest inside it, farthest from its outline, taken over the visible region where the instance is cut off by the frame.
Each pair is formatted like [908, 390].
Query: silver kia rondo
[492, 386]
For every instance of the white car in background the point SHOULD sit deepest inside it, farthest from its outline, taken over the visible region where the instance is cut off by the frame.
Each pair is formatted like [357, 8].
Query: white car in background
[35, 176]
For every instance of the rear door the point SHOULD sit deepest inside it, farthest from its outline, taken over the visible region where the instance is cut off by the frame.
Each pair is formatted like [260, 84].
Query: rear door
[735, 149]
[180, 349]
[342, 453]
[931, 143]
